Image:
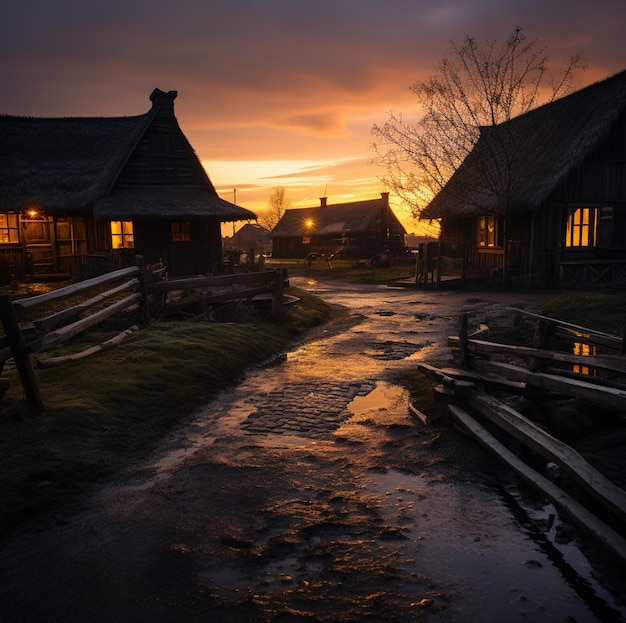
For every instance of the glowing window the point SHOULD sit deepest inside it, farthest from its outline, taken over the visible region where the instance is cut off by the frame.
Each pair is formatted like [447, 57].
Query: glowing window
[581, 228]
[487, 231]
[181, 232]
[9, 229]
[122, 236]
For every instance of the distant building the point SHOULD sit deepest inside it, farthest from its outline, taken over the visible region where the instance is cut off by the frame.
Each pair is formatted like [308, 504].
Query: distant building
[251, 236]
[563, 221]
[79, 196]
[360, 229]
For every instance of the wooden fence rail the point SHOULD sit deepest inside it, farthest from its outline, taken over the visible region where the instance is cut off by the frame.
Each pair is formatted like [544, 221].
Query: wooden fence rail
[479, 375]
[129, 290]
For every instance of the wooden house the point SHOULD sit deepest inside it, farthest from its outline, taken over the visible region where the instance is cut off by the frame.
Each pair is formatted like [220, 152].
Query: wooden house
[356, 230]
[541, 199]
[80, 196]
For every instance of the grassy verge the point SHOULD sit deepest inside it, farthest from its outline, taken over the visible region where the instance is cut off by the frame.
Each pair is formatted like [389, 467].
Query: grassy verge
[106, 411]
[347, 271]
[603, 310]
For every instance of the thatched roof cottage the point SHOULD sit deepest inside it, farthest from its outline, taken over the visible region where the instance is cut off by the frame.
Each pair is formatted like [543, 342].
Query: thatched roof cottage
[542, 197]
[355, 230]
[83, 195]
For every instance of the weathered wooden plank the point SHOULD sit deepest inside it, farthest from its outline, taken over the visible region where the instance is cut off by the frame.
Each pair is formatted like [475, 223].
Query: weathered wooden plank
[613, 363]
[609, 397]
[232, 294]
[20, 353]
[114, 341]
[218, 281]
[574, 330]
[76, 288]
[44, 324]
[602, 533]
[68, 331]
[514, 423]
[446, 375]
[420, 415]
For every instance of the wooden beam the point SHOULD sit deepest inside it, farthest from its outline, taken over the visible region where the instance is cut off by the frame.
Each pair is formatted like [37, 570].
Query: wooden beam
[445, 375]
[20, 353]
[602, 533]
[609, 397]
[76, 288]
[45, 324]
[613, 363]
[575, 330]
[514, 423]
[219, 281]
[232, 294]
[463, 339]
[68, 331]
[114, 341]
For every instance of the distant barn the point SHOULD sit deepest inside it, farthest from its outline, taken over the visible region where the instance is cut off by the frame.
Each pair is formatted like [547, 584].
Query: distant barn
[541, 199]
[359, 229]
[79, 196]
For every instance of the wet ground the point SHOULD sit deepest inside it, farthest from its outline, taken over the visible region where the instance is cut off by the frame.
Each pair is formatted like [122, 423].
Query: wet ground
[309, 493]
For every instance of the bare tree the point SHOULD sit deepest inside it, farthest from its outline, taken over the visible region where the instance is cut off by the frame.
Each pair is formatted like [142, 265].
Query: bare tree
[276, 206]
[475, 86]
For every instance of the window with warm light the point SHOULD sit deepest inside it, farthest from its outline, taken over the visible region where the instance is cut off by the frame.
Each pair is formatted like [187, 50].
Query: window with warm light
[582, 227]
[9, 229]
[122, 236]
[306, 236]
[487, 231]
[181, 232]
[579, 228]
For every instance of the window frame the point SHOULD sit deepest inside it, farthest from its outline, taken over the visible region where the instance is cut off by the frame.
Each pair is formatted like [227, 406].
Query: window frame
[589, 227]
[180, 231]
[487, 238]
[124, 237]
[7, 228]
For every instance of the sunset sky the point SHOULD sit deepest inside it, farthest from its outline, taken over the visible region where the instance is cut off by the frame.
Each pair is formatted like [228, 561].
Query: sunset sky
[274, 92]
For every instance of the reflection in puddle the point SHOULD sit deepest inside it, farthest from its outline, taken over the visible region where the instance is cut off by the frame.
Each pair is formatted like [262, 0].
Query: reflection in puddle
[585, 350]
[392, 399]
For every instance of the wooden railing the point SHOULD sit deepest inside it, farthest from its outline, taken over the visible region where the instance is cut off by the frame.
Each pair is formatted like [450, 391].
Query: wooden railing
[477, 391]
[131, 288]
[593, 273]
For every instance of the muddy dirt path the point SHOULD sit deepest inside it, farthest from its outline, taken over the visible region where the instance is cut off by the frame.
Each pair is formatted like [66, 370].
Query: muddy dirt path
[308, 493]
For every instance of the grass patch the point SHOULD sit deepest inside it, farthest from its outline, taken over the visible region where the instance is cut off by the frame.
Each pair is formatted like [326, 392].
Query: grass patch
[603, 311]
[106, 411]
[347, 271]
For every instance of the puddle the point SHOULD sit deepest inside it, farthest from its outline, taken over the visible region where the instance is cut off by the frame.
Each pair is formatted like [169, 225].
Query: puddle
[391, 400]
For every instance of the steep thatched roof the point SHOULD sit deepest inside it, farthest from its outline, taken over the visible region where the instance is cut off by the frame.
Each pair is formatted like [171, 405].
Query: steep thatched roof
[332, 220]
[168, 202]
[74, 164]
[538, 150]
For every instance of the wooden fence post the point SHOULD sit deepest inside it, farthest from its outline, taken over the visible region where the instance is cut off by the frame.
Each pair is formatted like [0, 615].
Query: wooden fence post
[144, 304]
[20, 353]
[463, 340]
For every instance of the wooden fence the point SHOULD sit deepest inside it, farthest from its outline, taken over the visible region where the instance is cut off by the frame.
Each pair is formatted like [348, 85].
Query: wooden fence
[479, 393]
[133, 288]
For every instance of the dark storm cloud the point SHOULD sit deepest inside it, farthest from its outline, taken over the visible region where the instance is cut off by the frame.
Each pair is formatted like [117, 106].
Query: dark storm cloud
[277, 50]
